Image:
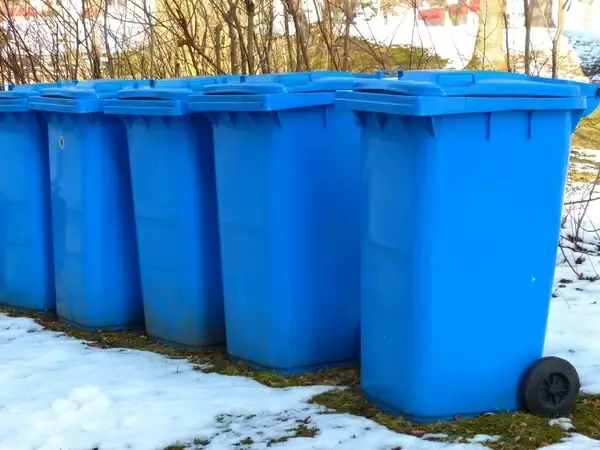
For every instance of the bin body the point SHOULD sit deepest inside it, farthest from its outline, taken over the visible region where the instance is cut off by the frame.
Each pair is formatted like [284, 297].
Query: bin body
[287, 190]
[95, 252]
[26, 266]
[173, 179]
[455, 289]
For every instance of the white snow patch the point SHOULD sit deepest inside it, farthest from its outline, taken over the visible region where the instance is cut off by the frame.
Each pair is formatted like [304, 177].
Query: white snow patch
[481, 438]
[434, 436]
[575, 442]
[573, 332]
[562, 422]
[56, 393]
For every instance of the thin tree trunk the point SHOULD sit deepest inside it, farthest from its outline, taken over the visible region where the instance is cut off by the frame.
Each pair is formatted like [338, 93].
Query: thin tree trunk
[250, 11]
[152, 35]
[507, 43]
[109, 59]
[489, 43]
[218, 47]
[296, 10]
[541, 13]
[527, 11]
[556, 40]
[233, 49]
[349, 18]
[288, 41]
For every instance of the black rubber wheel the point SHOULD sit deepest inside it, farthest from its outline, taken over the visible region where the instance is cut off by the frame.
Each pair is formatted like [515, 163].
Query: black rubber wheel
[550, 387]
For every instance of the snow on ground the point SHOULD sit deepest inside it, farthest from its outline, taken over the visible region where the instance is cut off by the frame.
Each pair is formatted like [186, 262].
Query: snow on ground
[573, 331]
[57, 394]
[575, 442]
[480, 438]
[562, 422]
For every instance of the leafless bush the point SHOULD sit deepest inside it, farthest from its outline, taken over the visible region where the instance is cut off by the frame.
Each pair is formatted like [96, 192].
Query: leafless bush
[56, 39]
[580, 236]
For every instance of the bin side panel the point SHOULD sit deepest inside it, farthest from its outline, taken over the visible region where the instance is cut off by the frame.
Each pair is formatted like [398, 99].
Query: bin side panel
[333, 236]
[287, 192]
[481, 283]
[393, 151]
[26, 267]
[96, 263]
[241, 161]
[172, 166]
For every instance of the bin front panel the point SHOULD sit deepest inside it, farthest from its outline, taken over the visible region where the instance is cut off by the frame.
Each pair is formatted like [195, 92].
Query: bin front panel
[172, 167]
[461, 224]
[26, 276]
[96, 263]
[287, 189]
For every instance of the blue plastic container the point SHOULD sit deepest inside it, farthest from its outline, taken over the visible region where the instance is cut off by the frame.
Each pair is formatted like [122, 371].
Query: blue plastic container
[173, 179]
[287, 170]
[95, 253]
[463, 179]
[26, 267]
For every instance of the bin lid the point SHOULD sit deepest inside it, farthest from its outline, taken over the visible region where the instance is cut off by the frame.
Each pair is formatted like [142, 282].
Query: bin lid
[25, 90]
[162, 98]
[295, 82]
[459, 92]
[150, 101]
[292, 77]
[35, 88]
[170, 89]
[589, 90]
[466, 85]
[305, 82]
[95, 89]
[17, 97]
[84, 97]
[154, 93]
[195, 83]
[275, 92]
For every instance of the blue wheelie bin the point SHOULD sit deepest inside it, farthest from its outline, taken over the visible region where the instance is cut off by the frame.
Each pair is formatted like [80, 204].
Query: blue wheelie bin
[95, 253]
[172, 171]
[462, 190]
[26, 266]
[287, 171]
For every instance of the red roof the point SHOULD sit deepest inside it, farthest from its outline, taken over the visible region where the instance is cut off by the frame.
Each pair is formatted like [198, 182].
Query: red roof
[432, 14]
[461, 9]
[22, 11]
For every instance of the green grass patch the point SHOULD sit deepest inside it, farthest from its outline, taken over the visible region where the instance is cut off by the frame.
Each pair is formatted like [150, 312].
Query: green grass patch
[587, 134]
[516, 430]
[197, 444]
[302, 430]
[583, 169]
